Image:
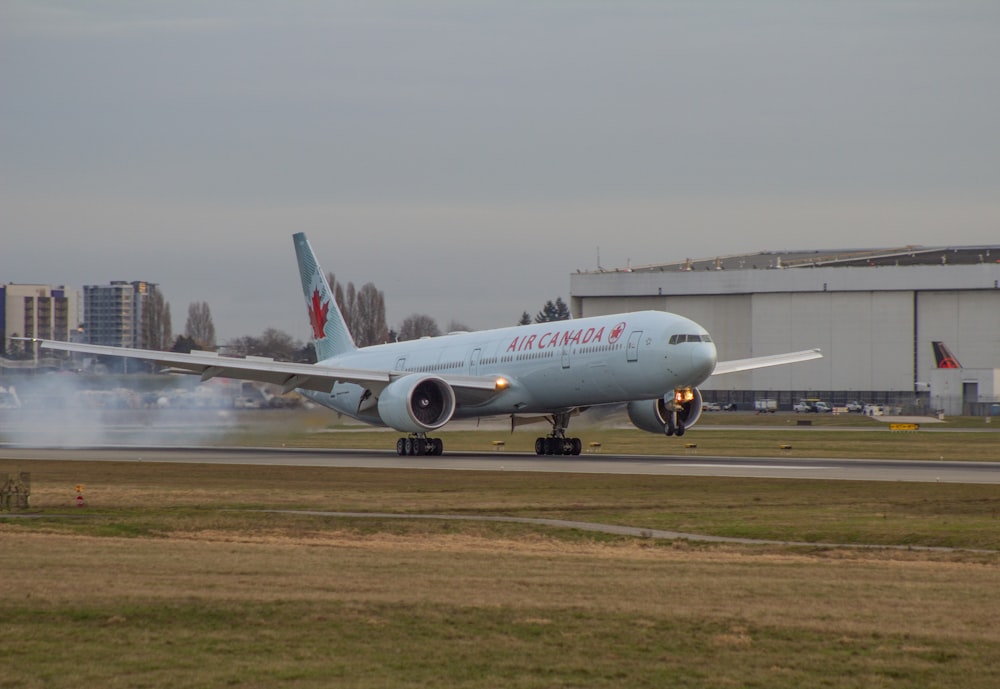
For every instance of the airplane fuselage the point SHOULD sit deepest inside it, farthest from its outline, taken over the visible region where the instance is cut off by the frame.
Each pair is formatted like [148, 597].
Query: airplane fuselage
[549, 366]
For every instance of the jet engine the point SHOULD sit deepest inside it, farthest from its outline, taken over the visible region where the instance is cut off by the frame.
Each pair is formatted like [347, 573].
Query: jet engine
[667, 414]
[416, 404]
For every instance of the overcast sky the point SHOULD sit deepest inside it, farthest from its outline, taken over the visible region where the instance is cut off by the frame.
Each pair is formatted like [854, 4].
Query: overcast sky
[466, 157]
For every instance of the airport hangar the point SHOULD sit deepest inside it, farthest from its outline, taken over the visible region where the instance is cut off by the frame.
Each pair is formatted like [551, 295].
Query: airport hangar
[873, 312]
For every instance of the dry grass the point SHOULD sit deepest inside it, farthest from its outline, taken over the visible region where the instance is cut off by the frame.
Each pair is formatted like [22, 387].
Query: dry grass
[167, 580]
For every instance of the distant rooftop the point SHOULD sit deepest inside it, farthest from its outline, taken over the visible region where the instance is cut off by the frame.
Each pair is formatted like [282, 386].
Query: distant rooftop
[902, 256]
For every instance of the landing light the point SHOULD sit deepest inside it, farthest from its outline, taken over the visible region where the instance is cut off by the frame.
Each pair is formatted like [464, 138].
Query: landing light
[502, 383]
[683, 395]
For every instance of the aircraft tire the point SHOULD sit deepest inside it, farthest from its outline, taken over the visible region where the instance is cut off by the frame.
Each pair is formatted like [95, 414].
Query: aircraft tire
[539, 446]
[401, 447]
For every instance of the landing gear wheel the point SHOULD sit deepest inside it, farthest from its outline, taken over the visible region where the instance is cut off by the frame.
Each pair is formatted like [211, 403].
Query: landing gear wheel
[438, 447]
[539, 446]
[577, 446]
[401, 447]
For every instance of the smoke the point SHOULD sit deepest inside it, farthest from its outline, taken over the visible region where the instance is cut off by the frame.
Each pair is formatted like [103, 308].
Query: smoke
[71, 410]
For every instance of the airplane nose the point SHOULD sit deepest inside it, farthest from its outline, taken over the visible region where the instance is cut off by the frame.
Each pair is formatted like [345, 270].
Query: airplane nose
[703, 358]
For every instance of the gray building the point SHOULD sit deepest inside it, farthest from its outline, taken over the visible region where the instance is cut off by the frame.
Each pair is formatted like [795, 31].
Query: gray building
[873, 313]
[118, 314]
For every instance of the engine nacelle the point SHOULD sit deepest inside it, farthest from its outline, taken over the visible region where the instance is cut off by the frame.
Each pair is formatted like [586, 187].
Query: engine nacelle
[654, 415]
[416, 404]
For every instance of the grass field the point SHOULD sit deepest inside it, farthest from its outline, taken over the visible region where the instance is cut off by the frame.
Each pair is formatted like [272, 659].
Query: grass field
[172, 576]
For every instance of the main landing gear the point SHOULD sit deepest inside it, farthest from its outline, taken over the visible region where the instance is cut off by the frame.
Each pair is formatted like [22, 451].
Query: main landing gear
[419, 445]
[557, 443]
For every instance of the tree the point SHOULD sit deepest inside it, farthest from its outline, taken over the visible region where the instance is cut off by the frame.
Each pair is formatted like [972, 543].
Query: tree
[369, 326]
[557, 311]
[279, 344]
[157, 329]
[16, 348]
[418, 325]
[525, 319]
[184, 344]
[199, 326]
[363, 311]
[273, 343]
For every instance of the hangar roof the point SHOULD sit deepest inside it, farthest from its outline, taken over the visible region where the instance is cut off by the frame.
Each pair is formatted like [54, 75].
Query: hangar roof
[832, 258]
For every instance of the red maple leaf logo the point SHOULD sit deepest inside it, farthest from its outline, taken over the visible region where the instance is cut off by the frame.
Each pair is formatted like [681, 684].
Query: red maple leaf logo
[616, 333]
[317, 315]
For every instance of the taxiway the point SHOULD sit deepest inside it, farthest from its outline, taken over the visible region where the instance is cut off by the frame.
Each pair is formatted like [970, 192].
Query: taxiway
[748, 467]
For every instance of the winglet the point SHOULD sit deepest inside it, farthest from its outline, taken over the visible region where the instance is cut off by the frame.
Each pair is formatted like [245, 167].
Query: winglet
[328, 329]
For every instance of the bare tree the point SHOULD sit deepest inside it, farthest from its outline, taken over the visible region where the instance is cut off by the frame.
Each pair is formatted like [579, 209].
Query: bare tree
[338, 291]
[350, 308]
[458, 327]
[199, 326]
[363, 311]
[157, 329]
[418, 325]
[369, 325]
[279, 344]
[273, 343]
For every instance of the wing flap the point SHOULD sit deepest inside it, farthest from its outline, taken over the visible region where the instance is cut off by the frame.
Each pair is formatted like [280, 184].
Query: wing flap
[752, 363]
[211, 365]
[286, 374]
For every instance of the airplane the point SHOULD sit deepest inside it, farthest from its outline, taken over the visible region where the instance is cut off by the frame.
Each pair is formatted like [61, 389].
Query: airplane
[653, 361]
[943, 356]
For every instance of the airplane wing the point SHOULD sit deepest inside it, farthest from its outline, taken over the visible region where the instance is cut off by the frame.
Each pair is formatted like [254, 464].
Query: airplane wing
[736, 365]
[286, 374]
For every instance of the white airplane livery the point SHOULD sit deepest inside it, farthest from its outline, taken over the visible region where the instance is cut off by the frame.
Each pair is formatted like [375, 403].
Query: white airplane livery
[651, 360]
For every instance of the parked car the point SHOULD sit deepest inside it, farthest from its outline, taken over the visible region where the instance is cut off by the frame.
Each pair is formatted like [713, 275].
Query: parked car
[822, 407]
[710, 406]
[854, 407]
[802, 407]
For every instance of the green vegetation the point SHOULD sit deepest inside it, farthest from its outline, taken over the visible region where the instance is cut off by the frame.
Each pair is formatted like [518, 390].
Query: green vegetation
[173, 577]
[874, 442]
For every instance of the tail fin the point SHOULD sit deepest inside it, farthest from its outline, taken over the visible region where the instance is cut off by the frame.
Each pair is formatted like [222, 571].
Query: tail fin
[329, 331]
[944, 357]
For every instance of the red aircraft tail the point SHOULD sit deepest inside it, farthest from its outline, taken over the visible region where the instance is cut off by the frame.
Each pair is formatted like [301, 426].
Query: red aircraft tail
[944, 357]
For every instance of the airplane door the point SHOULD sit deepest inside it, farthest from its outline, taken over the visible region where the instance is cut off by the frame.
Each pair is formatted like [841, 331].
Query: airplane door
[401, 363]
[632, 351]
[474, 362]
[565, 356]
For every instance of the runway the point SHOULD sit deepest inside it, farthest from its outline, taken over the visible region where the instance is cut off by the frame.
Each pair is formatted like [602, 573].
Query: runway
[748, 467]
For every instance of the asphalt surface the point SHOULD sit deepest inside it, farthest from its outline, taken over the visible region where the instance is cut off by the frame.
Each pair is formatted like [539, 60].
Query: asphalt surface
[688, 465]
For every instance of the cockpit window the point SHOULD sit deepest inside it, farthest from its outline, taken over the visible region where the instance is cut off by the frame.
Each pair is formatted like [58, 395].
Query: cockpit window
[677, 339]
